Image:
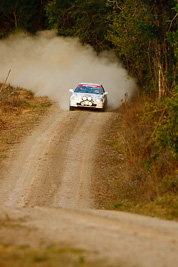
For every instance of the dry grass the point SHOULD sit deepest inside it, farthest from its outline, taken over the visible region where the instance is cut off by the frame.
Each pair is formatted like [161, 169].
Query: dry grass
[22, 246]
[19, 112]
[133, 179]
[133, 138]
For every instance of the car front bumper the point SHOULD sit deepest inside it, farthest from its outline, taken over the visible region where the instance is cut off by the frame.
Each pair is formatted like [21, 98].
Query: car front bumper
[84, 104]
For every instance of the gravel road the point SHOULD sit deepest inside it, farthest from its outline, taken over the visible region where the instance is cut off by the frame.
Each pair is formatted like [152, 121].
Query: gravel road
[47, 179]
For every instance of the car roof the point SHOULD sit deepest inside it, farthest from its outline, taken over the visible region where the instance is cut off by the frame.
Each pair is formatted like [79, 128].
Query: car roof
[90, 84]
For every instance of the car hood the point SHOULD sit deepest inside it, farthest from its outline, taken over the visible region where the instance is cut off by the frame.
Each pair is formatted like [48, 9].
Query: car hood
[86, 94]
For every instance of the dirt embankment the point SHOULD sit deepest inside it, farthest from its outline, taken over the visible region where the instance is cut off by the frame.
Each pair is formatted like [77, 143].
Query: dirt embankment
[46, 184]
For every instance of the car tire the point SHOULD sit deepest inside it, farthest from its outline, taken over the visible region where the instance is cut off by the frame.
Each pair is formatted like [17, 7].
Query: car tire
[71, 108]
[102, 110]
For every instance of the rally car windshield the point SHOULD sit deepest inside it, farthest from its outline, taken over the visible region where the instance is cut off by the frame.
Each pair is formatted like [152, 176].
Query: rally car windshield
[89, 90]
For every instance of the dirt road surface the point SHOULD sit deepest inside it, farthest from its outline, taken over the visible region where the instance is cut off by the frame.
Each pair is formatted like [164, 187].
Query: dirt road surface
[46, 184]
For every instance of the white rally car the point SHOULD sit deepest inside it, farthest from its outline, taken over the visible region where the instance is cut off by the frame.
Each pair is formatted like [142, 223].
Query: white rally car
[88, 95]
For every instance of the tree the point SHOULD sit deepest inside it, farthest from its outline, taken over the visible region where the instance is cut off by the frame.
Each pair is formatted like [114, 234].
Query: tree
[86, 19]
[138, 33]
[130, 32]
[22, 14]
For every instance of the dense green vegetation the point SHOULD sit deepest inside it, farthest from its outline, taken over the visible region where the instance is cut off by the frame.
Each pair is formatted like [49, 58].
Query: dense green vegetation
[144, 36]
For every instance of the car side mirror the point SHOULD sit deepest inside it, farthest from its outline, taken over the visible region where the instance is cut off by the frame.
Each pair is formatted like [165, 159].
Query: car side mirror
[105, 93]
[71, 90]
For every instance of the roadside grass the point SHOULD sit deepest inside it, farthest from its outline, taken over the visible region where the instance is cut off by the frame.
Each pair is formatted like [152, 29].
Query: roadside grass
[20, 110]
[139, 174]
[21, 246]
[53, 256]
[50, 256]
[164, 207]
[149, 172]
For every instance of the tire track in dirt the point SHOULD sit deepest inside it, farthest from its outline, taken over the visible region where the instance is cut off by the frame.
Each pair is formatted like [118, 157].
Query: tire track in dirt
[75, 188]
[52, 168]
[54, 163]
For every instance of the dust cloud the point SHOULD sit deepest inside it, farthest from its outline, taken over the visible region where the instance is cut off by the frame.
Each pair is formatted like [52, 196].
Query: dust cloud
[49, 65]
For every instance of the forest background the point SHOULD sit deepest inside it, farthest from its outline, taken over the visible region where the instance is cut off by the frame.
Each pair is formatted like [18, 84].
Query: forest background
[143, 35]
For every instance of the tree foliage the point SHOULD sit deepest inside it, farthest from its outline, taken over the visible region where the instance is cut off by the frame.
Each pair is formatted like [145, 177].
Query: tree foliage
[162, 116]
[143, 33]
[130, 33]
[21, 14]
[87, 20]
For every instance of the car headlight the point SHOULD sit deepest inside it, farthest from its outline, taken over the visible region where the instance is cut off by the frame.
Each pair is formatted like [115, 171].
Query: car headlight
[89, 98]
[84, 98]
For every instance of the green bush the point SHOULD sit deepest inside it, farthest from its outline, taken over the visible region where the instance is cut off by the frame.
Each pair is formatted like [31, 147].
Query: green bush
[162, 115]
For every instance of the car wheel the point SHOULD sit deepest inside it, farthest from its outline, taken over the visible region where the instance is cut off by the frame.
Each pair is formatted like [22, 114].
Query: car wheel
[71, 108]
[102, 109]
